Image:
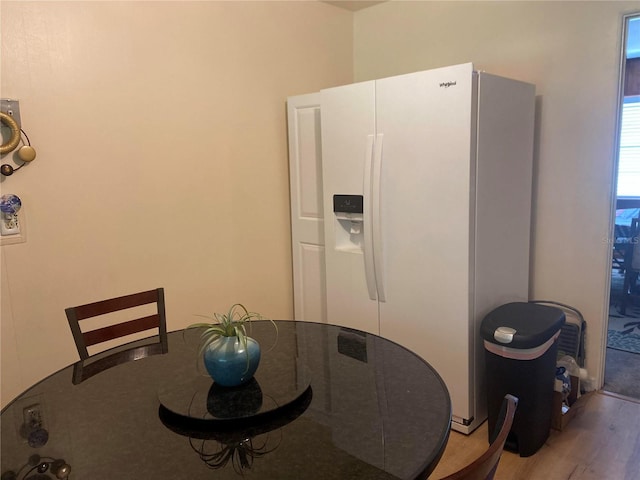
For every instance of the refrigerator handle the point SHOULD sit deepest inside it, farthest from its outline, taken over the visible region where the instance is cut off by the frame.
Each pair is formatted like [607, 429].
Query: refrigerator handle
[376, 199]
[367, 248]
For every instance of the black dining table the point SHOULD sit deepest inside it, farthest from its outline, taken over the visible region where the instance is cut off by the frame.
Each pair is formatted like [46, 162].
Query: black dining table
[325, 403]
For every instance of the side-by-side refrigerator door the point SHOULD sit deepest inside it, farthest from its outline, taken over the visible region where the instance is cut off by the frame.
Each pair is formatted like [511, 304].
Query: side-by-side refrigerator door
[348, 134]
[426, 119]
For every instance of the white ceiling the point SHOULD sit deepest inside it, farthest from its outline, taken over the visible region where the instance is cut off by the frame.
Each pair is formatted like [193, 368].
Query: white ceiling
[354, 5]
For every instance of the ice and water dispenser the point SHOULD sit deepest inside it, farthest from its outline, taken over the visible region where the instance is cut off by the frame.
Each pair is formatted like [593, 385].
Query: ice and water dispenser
[348, 211]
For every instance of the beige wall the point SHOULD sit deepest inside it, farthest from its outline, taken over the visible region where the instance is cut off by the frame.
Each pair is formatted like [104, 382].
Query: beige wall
[160, 130]
[570, 50]
[162, 159]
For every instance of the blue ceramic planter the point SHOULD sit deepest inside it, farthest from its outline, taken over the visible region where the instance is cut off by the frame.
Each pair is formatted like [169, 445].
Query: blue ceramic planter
[226, 361]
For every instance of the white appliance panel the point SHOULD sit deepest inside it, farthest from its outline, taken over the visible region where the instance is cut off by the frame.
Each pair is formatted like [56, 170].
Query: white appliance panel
[443, 162]
[506, 109]
[348, 120]
[425, 219]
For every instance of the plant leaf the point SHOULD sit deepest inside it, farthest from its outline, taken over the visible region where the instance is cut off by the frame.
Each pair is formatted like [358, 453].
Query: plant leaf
[231, 324]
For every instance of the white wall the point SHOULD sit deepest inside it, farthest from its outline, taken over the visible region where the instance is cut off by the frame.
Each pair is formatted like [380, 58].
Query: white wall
[571, 51]
[162, 158]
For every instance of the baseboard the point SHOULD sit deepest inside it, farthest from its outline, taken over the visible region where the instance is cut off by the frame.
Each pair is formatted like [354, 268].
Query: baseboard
[621, 397]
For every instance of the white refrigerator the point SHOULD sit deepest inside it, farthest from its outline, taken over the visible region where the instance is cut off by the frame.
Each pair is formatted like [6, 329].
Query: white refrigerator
[426, 200]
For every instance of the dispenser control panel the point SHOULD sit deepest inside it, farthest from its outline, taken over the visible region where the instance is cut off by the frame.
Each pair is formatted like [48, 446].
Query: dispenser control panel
[347, 203]
[349, 218]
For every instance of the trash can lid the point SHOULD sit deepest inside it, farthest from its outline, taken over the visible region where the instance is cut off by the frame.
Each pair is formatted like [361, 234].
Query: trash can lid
[521, 324]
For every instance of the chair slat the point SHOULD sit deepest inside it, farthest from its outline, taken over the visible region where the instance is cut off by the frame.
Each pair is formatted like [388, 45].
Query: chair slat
[123, 329]
[115, 304]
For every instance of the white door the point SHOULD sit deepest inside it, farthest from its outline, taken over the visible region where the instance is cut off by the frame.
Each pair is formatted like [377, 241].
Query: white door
[425, 122]
[348, 126]
[307, 234]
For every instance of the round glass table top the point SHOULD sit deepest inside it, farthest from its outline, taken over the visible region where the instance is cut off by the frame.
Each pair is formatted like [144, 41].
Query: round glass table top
[327, 403]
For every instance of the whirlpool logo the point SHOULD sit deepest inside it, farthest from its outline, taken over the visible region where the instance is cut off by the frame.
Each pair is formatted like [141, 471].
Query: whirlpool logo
[447, 84]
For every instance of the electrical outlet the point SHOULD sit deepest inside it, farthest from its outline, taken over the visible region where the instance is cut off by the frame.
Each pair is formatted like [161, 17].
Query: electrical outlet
[33, 417]
[10, 224]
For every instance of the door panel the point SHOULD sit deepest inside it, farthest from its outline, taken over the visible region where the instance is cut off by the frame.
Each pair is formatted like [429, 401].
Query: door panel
[307, 230]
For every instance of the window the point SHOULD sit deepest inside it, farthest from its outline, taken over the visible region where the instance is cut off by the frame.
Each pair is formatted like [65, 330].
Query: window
[629, 159]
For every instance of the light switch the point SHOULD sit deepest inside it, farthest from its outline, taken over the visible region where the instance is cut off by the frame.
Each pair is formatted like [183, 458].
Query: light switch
[11, 108]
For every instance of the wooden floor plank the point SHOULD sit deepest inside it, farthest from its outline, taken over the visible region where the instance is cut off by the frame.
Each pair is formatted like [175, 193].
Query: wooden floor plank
[602, 441]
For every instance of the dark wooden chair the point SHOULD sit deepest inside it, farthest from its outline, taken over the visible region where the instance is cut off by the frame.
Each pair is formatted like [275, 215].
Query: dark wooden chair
[88, 366]
[632, 267]
[484, 468]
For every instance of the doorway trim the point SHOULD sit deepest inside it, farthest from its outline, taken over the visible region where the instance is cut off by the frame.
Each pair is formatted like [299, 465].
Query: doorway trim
[612, 213]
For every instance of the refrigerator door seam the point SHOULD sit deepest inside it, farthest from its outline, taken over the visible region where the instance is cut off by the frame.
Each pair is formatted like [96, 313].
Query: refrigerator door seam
[367, 248]
[376, 199]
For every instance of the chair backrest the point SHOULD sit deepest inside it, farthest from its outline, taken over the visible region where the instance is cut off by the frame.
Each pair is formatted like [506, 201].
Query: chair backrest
[484, 468]
[84, 339]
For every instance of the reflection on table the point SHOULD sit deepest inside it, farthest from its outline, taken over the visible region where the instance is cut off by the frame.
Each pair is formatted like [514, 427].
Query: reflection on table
[327, 403]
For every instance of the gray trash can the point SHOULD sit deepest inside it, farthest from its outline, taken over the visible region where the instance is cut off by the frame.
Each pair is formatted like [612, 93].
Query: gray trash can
[521, 344]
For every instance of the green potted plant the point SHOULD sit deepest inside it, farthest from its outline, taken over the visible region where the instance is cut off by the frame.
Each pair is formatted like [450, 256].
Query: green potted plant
[230, 356]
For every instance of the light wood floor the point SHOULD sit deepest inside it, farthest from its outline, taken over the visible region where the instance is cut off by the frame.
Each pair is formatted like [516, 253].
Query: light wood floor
[601, 442]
